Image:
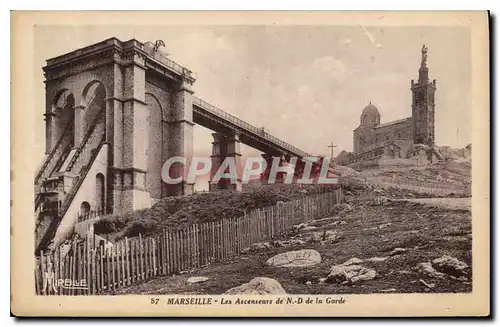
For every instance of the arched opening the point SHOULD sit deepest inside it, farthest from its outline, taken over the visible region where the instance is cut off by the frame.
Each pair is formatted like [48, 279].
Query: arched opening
[93, 102]
[154, 150]
[84, 208]
[63, 126]
[100, 199]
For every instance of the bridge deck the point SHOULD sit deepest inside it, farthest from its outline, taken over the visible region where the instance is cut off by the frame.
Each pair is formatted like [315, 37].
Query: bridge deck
[218, 120]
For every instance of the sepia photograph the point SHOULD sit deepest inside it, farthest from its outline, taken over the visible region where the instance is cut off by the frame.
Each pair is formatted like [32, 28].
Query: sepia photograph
[197, 164]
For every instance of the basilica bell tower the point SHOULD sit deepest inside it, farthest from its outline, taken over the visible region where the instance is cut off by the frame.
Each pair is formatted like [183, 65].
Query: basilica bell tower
[423, 105]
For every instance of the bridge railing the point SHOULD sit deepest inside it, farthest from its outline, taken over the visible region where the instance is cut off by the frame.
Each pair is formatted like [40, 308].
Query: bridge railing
[242, 124]
[160, 56]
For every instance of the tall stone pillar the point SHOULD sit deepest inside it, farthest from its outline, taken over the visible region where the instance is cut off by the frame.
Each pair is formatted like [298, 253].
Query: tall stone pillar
[114, 138]
[130, 146]
[233, 151]
[226, 147]
[217, 157]
[264, 177]
[180, 136]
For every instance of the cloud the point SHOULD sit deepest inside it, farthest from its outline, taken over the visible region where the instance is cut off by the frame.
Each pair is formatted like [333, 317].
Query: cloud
[330, 67]
[347, 42]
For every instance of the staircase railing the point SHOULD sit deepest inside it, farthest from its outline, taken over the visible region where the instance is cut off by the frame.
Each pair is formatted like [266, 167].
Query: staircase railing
[90, 138]
[76, 158]
[57, 149]
[71, 195]
[59, 163]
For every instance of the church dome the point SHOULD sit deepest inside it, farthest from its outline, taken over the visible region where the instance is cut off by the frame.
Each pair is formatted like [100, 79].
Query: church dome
[370, 116]
[371, 110]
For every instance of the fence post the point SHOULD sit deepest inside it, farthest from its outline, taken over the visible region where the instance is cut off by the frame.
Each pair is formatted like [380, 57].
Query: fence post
[88, 258]
[118, 264]
[150, 256]
[169, 252]
[124, 260]
[153, 241]
[101, 266]
[220, 240]
[73, 265]
[92, 285]
[57, 270]
[176, 251]
[147, 257]
[271, 218]
[163, 257]
[113, 266]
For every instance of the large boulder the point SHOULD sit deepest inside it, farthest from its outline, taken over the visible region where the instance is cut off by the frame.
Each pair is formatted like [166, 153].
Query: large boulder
[340, 208]
[290, 242]
[353, 261]
[450, 266]
[346, 171]
[350, 274]
[300, 226]
[257, 247]
[300, 258]
[381, 200]
[197, 279]
[397, 251]
[258, 286]
[326, 236]
[425, 268]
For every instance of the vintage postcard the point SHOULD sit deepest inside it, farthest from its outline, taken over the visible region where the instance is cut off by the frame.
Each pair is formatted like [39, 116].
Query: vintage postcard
[250, 164]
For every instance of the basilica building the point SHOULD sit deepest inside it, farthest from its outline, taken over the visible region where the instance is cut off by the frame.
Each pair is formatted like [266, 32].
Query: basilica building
[403, 138]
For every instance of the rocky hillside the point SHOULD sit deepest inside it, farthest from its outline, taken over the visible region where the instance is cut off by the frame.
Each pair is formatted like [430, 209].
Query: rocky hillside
[374, 245]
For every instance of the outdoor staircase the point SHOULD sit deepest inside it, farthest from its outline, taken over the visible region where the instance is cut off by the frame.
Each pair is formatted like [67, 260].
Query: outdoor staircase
[60, 178]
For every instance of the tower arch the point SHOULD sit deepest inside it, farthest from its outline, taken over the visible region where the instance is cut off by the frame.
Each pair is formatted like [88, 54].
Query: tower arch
[154, 150]
[61, 121]
[93, 101]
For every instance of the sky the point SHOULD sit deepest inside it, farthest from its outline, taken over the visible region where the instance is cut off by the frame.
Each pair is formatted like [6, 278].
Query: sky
[304, 84]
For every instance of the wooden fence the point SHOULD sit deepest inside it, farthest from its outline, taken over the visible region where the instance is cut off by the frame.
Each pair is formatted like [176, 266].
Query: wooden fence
[86, 268]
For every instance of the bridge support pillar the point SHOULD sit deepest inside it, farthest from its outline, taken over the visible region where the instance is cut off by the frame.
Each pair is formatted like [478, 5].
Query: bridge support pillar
[264, 176]
[226, 147]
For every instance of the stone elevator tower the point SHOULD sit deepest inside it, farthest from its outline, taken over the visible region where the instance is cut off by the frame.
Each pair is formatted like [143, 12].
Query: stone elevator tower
[423, 105]
[118, 110]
